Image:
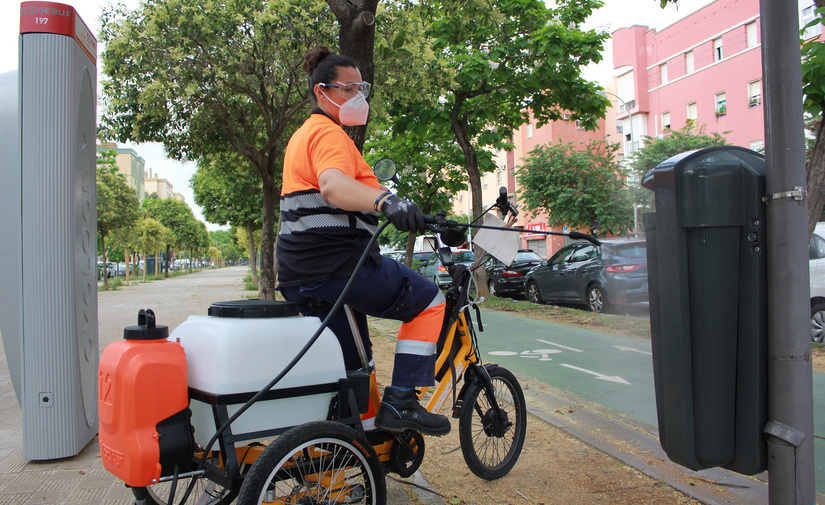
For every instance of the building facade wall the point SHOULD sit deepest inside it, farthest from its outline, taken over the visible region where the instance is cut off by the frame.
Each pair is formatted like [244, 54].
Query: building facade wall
[525, 139]
[129, 164]
[710, 57]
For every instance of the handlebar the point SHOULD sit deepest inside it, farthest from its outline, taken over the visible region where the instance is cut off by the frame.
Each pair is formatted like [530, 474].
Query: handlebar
[453, 229]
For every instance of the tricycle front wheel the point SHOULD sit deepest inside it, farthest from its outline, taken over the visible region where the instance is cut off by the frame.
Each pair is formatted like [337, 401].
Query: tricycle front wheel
[491, 439]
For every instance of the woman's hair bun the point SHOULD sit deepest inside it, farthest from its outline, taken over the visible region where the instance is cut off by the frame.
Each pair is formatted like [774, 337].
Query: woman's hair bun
[313, 57]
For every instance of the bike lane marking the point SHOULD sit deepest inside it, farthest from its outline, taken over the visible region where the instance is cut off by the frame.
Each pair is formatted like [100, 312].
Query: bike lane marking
[580, 361]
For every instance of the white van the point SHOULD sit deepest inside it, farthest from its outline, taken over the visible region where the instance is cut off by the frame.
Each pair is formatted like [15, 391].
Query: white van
[426, 243]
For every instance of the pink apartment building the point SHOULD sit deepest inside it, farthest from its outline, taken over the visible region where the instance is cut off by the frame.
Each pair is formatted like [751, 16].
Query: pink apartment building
[705, 69]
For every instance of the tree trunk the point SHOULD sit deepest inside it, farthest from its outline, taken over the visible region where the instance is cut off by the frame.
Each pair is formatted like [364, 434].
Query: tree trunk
[266, 287]
[815, 178]
[408, 252]
[128, 263]
[105, 264]
[253, 256]
[356, 39]
[471, 164]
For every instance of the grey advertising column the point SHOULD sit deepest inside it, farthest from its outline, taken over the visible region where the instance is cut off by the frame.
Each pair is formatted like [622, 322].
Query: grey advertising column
[49, 275]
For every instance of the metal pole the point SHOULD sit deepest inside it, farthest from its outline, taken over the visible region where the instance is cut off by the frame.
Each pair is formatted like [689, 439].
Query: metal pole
[790, 391]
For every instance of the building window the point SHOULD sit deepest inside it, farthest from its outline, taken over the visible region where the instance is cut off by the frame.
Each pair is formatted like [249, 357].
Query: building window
[663, 72]
[691, 114]
[579, 125]
[807, 15]
[758, 146]
[754, 93]
[750, 29]
[689, 67]
[529, 130]
[720, 104]
[717, 49]
[499, 176]
[665, 121]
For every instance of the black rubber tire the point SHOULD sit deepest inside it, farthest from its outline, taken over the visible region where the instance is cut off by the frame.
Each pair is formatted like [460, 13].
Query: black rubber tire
[357, 470]
[531, 291]
[818, 322]
[205, 492]
[596, 299]
[490, 455]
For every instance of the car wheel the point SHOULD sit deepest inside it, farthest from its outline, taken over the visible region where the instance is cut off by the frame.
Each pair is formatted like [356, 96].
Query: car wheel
[533, 294]
[596, 298]
[818, 322]
[492, 286]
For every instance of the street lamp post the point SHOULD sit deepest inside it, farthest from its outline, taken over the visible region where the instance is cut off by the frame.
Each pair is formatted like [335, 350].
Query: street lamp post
[629, 118]
[627, 151]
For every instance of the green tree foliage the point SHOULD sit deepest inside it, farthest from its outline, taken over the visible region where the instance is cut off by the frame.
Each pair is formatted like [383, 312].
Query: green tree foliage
[242, 239]
[204, 84]
[117, 206]
[214, 255]
[429, 172]
[496, 63]
[184, 230]
[579, 186]
[230, 252]
[218, 237]
[813, 86]
[658, 149]
[149, 238]
[230, 195]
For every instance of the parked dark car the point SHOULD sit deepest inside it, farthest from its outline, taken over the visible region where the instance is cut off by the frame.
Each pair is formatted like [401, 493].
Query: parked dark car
[437, 272]
[596, 276]
[419, 259]
[503, 279]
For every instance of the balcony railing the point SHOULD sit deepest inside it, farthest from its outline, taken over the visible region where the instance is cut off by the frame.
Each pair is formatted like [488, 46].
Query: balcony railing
[812, 31]
[627, 106]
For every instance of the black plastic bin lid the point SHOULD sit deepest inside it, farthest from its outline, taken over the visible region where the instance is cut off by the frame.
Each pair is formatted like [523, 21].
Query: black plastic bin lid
[253, 308]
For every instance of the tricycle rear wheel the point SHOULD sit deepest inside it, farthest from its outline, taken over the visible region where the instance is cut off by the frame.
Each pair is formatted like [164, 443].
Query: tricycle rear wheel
[318, 462]
[205, 492]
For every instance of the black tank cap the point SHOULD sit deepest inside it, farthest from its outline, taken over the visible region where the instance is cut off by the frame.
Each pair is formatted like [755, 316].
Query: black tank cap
[253, 308]
[146, 328]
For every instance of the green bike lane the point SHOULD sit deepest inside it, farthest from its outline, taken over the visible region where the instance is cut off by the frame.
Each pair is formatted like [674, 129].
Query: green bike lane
[615, 371]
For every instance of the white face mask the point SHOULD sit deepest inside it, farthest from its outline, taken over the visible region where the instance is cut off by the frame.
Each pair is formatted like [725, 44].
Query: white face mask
[354, 111]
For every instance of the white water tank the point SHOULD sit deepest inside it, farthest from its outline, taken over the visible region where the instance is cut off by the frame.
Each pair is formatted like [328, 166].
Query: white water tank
[241, 347]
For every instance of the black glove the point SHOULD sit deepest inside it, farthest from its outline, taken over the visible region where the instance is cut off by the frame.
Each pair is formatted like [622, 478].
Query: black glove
[404, 214]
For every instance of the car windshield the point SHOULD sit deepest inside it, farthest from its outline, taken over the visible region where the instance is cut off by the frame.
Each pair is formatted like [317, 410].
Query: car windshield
[527, 256]
[466, 257]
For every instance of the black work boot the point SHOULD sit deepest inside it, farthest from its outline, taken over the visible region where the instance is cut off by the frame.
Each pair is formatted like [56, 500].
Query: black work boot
[401, 411]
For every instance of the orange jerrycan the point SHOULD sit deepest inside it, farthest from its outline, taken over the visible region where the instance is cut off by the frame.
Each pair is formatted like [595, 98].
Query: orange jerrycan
[143, 403]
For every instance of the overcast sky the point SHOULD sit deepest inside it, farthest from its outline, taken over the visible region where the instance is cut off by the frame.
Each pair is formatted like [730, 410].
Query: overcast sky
[614, 15]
